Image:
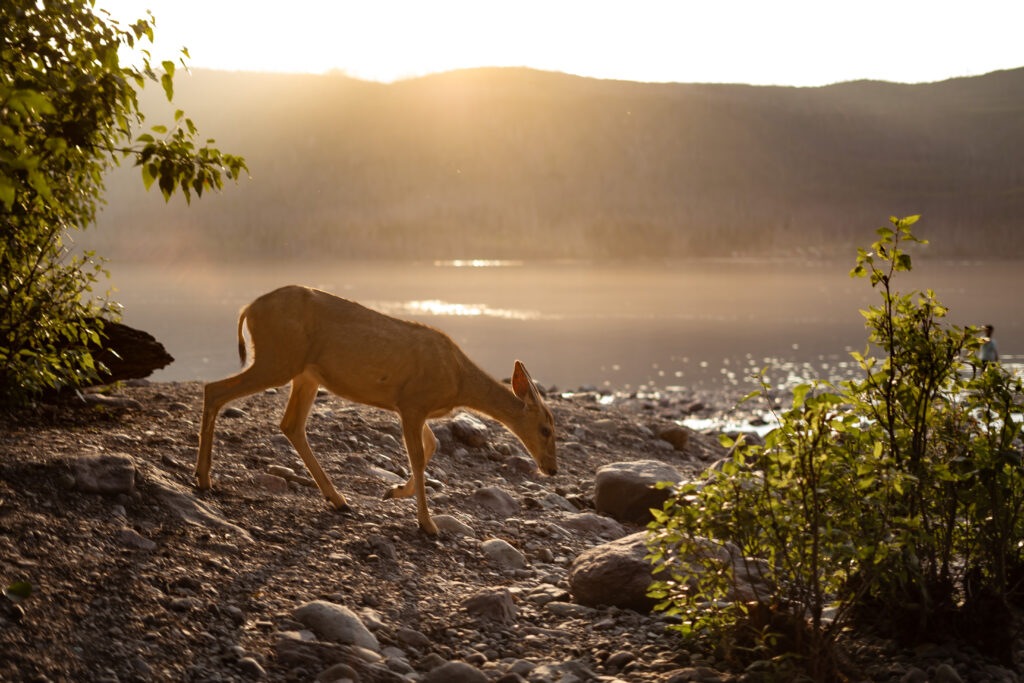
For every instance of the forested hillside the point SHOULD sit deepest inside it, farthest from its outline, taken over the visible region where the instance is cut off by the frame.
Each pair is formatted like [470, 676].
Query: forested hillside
[515, 163]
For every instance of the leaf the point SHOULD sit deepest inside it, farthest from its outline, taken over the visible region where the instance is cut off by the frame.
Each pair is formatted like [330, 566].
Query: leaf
[168, 84]
[6, 192]
[38, 182]
[31, 101]
[166, 183]
[56, 145]
[799, 394]
[749, 396]
[147, 176]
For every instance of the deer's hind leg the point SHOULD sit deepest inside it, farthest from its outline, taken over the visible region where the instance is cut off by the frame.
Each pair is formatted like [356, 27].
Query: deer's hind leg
[293, 424]
[218, 394]
[409, 487]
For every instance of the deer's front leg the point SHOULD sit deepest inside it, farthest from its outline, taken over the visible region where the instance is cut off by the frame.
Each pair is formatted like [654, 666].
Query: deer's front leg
[408, 488]
[412, 430]
[293, 424]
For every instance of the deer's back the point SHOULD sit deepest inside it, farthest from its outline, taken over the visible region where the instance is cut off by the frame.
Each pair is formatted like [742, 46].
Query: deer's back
[354, 351]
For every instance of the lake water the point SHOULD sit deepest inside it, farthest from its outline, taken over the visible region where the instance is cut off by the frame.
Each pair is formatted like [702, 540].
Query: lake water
[693, 324]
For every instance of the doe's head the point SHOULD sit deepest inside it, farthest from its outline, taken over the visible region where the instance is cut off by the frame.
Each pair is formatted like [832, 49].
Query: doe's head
[537, 428]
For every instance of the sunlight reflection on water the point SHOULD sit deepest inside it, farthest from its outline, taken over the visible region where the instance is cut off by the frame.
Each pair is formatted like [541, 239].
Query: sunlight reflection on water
[617, 326]
[436, 307]
[478, 263]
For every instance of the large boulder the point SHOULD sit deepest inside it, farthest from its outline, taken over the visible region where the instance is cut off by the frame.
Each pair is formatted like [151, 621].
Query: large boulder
[614, 573]
[750, 576]
[627, 492]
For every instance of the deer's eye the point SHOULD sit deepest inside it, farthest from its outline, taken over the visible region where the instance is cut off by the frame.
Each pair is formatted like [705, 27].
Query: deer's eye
[545, 432]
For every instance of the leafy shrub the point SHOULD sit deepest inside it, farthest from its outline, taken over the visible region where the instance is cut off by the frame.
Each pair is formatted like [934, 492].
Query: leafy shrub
[68, 108]
[894, 502]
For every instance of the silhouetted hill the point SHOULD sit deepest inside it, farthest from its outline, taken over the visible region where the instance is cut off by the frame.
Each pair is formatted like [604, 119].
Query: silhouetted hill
[522, 163]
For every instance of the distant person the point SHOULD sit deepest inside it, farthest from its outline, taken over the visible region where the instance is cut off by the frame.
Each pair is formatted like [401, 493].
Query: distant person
[989, 352]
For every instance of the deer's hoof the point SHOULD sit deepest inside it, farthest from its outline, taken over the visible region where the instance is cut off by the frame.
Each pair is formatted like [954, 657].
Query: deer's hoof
[389, 493]
[429, 528]
[340, 505]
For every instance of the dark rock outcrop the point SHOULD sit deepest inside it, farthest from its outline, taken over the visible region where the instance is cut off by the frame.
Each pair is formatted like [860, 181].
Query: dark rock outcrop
[128, 353]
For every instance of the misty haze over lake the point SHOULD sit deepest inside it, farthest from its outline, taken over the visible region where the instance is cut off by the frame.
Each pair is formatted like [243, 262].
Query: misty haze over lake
[693, 324]
[669, 202]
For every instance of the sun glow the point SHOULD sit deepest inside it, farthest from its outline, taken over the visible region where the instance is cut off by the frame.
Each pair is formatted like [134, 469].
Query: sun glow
[791, 42]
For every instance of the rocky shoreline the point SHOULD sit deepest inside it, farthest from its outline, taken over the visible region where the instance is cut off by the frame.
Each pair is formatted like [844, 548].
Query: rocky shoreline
[137, 576]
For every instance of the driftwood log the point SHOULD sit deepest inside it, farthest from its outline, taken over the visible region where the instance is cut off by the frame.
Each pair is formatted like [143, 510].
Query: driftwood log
[128, 353]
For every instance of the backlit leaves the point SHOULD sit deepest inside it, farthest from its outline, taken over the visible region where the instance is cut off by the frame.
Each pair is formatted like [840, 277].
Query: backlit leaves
[70, 110]
[868, 496]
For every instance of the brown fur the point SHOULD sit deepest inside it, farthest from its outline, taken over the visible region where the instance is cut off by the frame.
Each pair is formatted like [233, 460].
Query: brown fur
[311, 338]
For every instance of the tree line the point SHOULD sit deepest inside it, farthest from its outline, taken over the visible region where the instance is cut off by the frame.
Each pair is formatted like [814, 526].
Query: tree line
[526, 164]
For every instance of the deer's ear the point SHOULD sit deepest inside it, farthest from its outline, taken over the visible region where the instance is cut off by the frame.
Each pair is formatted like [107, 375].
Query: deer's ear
[522, 384]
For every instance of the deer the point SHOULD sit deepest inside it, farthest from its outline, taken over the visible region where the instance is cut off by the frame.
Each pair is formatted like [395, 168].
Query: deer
[312, 338]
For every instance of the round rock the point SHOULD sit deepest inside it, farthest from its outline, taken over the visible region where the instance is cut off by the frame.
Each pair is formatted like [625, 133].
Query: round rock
[614, 573]
[453, 526]
[469, 430]
[496, 500]
[627, 492]
[502, 553]
[455, 672]
[336, 623]
[588, 522]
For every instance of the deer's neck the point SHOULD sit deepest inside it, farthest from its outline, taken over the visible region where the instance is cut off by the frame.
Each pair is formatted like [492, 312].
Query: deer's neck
[484, 394]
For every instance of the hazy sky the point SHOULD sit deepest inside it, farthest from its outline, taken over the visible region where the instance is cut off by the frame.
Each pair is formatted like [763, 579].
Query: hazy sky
[786, 42]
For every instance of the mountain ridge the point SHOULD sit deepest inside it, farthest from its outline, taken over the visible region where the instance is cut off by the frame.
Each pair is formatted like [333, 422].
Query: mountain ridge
[518, 163]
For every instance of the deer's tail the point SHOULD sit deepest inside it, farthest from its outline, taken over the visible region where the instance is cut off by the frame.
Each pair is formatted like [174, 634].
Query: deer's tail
[241, 339]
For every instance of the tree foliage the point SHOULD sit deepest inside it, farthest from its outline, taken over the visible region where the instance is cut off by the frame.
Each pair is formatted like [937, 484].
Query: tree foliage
[68, 111]
[895, 501]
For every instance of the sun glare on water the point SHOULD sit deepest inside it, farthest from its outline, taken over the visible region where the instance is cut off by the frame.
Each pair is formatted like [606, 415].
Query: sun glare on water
[478, 263]
[436, 307]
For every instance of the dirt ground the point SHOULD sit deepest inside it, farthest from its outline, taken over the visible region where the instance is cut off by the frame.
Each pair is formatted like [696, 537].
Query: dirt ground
[126, 587]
